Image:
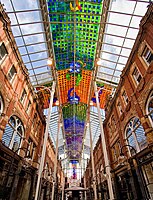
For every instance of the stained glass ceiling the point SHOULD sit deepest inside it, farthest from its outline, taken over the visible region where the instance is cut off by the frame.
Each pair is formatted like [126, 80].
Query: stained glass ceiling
[75, 34]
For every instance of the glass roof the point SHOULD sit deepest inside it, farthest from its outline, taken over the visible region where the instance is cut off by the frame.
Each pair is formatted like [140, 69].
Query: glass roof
[29, 32]
[121, 29]
[75, 34]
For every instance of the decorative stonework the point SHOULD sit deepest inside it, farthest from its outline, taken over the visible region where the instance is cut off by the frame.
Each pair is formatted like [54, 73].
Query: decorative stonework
[150, 69]
[128, 106]
[122, 117]
[149, 135]
[141, 48]
[141, 85]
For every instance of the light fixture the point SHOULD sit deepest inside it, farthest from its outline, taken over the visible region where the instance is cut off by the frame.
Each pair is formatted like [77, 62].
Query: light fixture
[50, 61]
[87, 124]
[91, 103]
[57, 103]
[99, 62]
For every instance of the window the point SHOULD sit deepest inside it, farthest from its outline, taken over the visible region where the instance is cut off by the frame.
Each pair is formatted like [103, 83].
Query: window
[135, 135]
[13, 133]
[113, 123]
[3, 51]
[125, 97]
[23, 96]
[110, 130]
[46, 171]
[28, 106]
[35, 119]
[1, 105]
[114, 153]
[119, 147]
[149, 107]
[136, 75]
[12, 73]
[147, 55]
[119, 108]
[148, 176]
[31, 149]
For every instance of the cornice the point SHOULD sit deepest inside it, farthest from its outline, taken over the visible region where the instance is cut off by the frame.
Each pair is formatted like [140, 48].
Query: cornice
[3, 16]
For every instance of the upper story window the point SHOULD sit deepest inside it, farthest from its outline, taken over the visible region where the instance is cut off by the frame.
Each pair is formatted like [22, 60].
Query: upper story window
[46, 171]
[35, 119]
[29, 106]
[147, 55]
[12, 73]
[1, 105]
[109, 130]
[119, 147]
[113, 123]
[31, 149]
[149, 107]
[125, 97]
[120, 108]
[13, 133]
[114, 153]
[135, 135]
[136, 75]
[3, 51]
[23, 96]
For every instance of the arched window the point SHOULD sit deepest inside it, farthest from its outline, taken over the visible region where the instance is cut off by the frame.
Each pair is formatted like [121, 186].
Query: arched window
[13, 134]
[1, 105]
[149, 107]
[135, 135]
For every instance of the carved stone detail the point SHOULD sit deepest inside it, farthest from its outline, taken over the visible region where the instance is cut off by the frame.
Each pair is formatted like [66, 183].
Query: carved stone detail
[122, 116]
[141, 47]
[141, 85]
[150, 70]
[128, 106]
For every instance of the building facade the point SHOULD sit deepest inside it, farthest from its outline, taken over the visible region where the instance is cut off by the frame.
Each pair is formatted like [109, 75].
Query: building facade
[22, 125]
[128, 125]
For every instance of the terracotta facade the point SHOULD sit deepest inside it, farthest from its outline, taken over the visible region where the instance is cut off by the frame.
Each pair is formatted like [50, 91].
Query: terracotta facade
[132, 174]
[21, 109]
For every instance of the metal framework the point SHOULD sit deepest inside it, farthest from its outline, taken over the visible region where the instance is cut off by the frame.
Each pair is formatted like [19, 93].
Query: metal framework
[32, 27]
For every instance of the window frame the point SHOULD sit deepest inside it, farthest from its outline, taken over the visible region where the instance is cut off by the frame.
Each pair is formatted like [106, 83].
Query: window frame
[23, 96]
[28, 107]
[119, 146]
[113, 123]
[31, 149]
[119, 106]
[14, 132]
[6, 52]
[145, 55]
[114, 153]
[110, 129]
[134, 76]
[133, 129]
[1, 104]
[150, 97]
[125, 97]
[10, 76]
